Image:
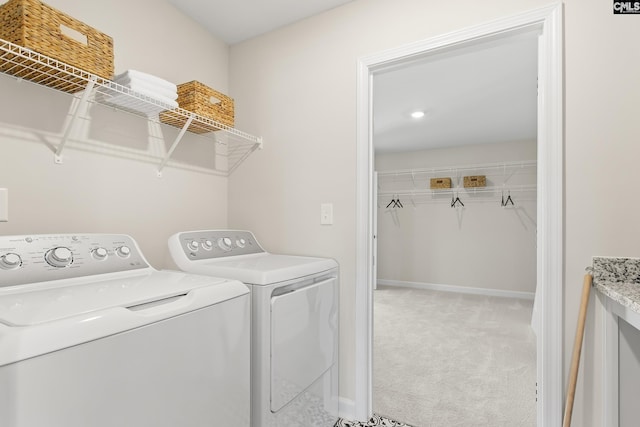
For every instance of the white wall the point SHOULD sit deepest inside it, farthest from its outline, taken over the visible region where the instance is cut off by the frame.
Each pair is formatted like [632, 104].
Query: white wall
[297, 88]
[481, 245]
[108, 182]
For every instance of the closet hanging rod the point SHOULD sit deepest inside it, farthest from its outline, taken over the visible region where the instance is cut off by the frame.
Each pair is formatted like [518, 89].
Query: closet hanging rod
[470, 190]
[469, 202]
[461, 168]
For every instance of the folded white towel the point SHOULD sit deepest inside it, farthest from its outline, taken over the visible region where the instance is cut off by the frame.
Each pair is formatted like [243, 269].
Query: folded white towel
[140, 76]
[148, 88]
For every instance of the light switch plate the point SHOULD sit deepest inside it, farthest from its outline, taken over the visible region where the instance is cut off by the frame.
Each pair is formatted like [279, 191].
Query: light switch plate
[4, 205]
[326, 213]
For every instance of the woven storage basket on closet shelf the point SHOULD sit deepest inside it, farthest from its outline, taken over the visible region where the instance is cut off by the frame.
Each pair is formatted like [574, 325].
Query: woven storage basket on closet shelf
[475, 181]
[204, 101]
[437, 183]
[39, 27]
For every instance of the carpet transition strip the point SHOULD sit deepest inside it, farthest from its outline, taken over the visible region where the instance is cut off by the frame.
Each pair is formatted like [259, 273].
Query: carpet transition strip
[376, 420]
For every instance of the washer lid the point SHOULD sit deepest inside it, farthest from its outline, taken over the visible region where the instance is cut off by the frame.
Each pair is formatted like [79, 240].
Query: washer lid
[52, 301]
[61, 314]
[262, 268]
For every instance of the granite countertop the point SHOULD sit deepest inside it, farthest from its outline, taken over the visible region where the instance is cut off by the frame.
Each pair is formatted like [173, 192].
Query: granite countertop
[619, 279]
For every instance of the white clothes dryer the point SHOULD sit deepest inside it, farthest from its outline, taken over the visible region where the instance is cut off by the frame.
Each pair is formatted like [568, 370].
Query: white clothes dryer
[294, 323]
[91, 335]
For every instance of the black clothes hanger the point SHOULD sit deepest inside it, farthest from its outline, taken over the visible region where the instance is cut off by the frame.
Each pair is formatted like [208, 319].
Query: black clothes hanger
[454, 202]
[396, 203]
[508, 200]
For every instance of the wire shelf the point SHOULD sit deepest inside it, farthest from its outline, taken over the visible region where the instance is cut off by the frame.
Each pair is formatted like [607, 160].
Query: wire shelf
[496, 174]
[517, 177]
[233, 145]
[503, 168]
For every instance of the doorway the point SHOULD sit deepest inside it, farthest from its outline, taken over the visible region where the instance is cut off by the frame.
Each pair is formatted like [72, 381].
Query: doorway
[549, 194]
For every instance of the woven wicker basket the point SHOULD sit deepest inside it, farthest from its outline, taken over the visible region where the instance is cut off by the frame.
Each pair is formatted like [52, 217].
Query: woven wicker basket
[204, 101]
[437, 183]
[40, 27]
[475, 181]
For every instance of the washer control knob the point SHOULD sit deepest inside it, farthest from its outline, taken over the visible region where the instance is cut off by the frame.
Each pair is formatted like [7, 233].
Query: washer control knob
[99, 254]
[207, 245]
[193, 245]
[10, 261]
[59, 257]
[123, 251]
[241, 243]
[224, 243]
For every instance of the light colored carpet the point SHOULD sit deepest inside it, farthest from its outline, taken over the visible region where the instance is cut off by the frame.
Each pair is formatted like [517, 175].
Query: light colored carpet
[448, 359]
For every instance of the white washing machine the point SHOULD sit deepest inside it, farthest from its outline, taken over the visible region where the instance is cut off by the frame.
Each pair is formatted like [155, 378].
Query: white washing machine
[91, 335]
[294, 325]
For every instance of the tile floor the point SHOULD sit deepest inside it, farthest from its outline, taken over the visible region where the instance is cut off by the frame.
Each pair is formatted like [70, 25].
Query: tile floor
[376, 420]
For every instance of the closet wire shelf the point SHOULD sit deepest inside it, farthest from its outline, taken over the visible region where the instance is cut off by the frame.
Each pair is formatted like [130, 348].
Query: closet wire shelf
[26, 64]
[415, 183]
[506, 169]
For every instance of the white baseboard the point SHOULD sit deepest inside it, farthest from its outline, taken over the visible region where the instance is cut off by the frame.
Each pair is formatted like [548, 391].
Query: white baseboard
[458, 289]
[347, 409]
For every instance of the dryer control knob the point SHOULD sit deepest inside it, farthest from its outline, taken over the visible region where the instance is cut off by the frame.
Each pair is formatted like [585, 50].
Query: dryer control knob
[10, 261]
[123, 251]
[207, 245]
[99, 254]
[224, 243]
[59, 257]
[241, 243]
[193, 245]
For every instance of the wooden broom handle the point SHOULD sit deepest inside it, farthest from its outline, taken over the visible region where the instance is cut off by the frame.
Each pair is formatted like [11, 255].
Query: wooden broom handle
[577, 349]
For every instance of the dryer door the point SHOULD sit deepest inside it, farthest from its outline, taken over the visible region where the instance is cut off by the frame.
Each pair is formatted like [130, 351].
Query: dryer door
[303, 339]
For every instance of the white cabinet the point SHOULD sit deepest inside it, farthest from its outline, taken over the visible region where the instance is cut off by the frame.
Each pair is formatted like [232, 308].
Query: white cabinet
[621, 363]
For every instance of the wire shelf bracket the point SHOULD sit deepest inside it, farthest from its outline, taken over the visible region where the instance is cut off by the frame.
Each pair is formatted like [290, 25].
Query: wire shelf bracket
[57, 157]
[175, 144]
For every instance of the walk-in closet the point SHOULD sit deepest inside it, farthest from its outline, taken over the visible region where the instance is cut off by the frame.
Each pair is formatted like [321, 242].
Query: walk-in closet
[455, 234]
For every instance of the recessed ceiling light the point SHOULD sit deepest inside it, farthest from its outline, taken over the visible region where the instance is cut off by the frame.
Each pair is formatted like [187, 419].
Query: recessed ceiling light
[417, 114]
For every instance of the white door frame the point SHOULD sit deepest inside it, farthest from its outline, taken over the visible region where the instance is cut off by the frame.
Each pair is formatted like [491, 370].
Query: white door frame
[550, 200]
